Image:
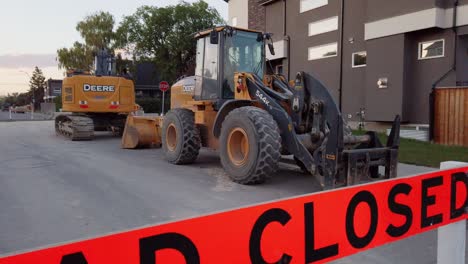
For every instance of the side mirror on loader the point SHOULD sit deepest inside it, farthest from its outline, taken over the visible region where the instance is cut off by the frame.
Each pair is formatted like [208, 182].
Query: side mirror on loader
[214, 39]
[271, 48]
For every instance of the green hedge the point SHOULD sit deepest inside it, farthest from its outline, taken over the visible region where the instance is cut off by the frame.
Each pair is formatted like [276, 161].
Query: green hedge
[425, 153]
[153, 105]
[58, 103]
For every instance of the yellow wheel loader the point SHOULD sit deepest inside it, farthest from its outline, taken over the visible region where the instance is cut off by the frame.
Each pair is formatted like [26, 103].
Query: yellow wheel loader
[231, 105]
[99, 102]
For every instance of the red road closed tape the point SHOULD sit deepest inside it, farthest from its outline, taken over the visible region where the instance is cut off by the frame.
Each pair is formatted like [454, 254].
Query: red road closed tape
[309, 229]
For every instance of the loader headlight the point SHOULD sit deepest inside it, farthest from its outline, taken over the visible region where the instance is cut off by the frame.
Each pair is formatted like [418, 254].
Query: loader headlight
[240, 85]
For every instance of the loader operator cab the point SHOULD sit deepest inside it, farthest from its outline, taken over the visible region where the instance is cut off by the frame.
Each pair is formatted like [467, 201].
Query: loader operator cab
[222, 52]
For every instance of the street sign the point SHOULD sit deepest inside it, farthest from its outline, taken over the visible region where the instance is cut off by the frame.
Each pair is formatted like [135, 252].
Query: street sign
[163, 86]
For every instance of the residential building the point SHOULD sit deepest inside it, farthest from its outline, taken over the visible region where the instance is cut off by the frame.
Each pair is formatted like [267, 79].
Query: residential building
[146, 80]
[380, 56]
[54, 89]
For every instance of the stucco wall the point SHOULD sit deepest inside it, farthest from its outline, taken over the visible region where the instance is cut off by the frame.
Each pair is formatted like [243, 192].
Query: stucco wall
[238, 8]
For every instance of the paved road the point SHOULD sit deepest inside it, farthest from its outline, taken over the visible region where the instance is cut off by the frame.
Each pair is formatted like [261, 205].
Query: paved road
[53, 190]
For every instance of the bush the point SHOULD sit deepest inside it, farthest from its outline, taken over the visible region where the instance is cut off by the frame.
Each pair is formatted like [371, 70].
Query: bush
[150, 105]
[58, 103]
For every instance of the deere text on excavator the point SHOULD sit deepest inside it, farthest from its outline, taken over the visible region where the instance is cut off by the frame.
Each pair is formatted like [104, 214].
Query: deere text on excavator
[252, 118]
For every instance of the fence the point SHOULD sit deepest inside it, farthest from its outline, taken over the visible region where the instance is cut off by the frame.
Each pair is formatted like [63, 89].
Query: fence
[451, 116]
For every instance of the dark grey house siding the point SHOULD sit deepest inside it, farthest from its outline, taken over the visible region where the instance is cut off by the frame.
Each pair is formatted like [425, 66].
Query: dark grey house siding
[421, 74]
[449, 3]
[395, 57]
[297, 28]
[463, 30]
[354, 88]
[462, 61]
[380, 9]
[385, 60]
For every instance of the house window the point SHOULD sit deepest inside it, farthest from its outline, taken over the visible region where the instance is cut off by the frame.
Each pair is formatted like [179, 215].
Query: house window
[323, 26]
[431, 49]
[307, 5]
[324, 51]
[234, 22]
[359, 59]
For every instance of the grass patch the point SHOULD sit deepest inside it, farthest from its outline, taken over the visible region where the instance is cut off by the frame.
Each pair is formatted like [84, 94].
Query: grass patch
[425, 153]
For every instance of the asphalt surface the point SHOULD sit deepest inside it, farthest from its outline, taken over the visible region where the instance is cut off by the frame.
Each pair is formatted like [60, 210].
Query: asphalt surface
[53, 190]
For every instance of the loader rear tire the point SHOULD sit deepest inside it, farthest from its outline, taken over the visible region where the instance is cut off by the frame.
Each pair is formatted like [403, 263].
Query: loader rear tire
[250, 145]
[180, 137]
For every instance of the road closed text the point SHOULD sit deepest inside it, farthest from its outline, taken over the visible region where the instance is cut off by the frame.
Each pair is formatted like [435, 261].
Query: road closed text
[309, 229]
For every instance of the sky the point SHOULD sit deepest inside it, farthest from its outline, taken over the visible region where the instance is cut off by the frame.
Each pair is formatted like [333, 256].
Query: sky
[31, 31]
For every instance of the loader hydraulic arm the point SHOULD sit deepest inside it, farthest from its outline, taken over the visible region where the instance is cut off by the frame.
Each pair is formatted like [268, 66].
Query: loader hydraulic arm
[288, 134]
[312, 129]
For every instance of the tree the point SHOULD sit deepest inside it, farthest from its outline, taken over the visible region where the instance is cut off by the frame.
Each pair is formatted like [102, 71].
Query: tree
[164, 35]
[11, 98]
[37, 85]
[97, 31]
[77, 57]
[23, 99]
[18, 99]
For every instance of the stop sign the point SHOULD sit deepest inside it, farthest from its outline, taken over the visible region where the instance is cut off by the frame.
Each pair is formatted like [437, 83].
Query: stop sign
[163, 86]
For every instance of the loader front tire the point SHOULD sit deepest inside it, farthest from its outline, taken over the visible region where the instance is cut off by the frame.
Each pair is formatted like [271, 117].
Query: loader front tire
[250, 145]
[180, 137]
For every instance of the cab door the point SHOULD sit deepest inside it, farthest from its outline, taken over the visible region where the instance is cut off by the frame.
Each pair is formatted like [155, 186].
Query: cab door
[207, 69]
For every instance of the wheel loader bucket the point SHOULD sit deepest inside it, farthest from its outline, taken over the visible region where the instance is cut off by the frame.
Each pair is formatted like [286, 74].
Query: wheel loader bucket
[141, 131]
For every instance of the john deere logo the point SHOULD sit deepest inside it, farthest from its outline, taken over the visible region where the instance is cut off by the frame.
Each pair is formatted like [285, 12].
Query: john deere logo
[98, 88]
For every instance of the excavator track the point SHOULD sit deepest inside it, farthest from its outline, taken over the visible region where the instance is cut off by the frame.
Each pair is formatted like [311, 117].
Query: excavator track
[74, 127]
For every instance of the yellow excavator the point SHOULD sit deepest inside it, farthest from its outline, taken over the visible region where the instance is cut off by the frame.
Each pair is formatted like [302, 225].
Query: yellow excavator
[95, 102]
[231, 105]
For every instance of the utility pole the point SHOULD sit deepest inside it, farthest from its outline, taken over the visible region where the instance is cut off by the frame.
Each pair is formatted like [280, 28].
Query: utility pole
[33, 96]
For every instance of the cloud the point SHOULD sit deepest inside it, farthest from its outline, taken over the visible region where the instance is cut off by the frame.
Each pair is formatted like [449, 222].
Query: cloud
[28, 60]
